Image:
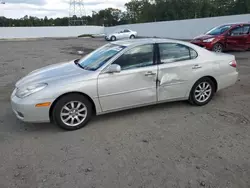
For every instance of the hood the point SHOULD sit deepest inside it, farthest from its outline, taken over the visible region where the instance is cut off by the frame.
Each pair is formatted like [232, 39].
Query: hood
[50, 73]
[204, 37]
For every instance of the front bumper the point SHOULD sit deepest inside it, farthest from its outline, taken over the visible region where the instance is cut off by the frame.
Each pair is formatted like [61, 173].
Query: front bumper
[26, 110]
[107, 38]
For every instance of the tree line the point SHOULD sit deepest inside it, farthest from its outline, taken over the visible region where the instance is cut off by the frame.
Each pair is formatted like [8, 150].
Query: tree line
[141, 11]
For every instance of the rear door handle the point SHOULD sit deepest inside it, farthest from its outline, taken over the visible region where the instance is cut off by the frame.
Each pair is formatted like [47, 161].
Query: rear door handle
[196, 67]
[150, 73]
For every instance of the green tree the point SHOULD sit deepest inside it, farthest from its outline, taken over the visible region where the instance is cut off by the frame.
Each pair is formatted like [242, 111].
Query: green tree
[140, 11]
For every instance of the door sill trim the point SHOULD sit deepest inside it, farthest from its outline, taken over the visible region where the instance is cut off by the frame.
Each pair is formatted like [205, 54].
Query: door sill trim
[142, 105]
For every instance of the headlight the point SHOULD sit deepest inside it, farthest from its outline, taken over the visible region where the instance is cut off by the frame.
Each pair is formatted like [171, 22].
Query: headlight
[22, 93]
[208, 40]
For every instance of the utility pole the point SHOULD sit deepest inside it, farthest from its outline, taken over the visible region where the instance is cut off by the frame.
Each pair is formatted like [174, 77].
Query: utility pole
[76, 13]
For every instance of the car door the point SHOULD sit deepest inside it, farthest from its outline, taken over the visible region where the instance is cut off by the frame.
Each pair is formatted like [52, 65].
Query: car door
[177, 70]
[120, 34]
[248, 37]
[126, 33]
[135, 85]
[237, 38]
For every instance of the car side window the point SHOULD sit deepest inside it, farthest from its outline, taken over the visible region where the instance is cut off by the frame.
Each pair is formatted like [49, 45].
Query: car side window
[193, 54]
[246, 29]
[173, 52]
[240, 31]
[140, 56]
[126, 31]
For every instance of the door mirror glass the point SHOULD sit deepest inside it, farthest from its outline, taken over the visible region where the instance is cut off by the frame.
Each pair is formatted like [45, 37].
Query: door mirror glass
[114, 68]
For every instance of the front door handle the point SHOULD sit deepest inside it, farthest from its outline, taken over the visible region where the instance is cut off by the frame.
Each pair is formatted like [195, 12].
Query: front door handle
[196, 67]
[150, 73]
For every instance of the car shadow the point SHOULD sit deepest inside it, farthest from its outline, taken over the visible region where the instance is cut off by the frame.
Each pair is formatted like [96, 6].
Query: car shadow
[18, 126]
[139, 110]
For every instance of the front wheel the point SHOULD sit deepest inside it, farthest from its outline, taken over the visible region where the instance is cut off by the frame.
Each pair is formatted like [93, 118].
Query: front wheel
[218, 47]
[202, 92]
[72, 112]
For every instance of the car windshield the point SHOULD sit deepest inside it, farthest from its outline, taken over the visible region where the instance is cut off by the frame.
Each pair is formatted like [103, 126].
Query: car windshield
[218, 30]
[99, 57]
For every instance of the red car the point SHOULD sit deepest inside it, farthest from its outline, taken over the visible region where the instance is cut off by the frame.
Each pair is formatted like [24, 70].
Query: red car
[225, 37]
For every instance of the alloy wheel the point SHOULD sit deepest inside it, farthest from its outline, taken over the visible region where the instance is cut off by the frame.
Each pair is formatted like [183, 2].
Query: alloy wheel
[203, 92]
[217, 48]
[73, 113]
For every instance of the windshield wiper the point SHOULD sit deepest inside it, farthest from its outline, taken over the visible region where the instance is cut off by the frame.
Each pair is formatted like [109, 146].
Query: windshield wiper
[78, 64]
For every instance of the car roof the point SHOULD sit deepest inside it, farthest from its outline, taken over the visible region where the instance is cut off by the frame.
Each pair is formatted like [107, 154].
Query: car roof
[236, 24]
[132, 42]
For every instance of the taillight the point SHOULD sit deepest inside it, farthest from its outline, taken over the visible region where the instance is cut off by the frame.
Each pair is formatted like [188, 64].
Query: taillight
[233, 63]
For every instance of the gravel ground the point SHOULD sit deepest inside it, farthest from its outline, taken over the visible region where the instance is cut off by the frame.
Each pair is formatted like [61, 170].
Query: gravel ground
[167, 145]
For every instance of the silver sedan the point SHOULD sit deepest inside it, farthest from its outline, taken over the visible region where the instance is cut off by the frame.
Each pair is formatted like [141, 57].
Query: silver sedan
[122, 75]
[121, 34]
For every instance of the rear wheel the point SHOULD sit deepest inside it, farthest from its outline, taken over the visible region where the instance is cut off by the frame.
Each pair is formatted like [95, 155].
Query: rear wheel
[113, 38]
[218, 47]
[132, 37]
[72, 112]
[202, 92]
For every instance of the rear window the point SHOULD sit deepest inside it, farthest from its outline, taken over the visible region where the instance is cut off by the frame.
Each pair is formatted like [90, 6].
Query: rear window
[173, 52]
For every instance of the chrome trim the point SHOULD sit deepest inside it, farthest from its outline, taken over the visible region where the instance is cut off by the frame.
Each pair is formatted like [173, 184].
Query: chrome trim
[124, 92]
[142, 105]
[170, 84]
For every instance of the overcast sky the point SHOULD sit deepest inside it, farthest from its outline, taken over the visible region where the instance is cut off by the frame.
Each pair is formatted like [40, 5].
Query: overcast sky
[52, 8]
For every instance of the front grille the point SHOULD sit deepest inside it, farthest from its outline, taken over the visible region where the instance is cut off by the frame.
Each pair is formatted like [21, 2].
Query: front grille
[197, 40]
[20, 114]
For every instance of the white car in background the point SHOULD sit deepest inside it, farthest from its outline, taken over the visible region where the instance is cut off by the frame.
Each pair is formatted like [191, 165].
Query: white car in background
[121, 34]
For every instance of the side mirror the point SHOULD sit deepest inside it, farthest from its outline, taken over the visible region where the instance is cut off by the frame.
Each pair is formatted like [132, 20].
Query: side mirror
[114, 68]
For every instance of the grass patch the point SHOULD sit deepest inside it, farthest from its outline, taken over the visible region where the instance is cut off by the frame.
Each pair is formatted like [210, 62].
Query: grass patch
[86, 35]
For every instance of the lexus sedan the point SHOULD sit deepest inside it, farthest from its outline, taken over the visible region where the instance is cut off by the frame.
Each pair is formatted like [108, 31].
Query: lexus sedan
[121, 34]
[225, 37]
[122, 75]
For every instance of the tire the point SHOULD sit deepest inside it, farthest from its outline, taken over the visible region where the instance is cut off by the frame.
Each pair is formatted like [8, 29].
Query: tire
[113, 38]
[66, 101]
[218, 47]
[132, 37]
[198, 100]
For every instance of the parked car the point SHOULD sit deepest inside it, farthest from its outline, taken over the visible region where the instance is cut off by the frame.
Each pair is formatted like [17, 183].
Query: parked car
[122, 75]
[225, 37]
[121, 34]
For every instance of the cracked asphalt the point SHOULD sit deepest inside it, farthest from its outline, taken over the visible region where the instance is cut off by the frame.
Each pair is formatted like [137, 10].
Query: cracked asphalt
[167, 145]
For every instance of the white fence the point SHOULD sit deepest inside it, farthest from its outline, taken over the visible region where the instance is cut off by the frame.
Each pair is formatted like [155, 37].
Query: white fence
[41, 32]
[181, 29]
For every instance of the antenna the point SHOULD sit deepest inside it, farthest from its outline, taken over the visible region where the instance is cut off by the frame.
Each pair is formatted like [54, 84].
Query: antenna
[76, 13]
